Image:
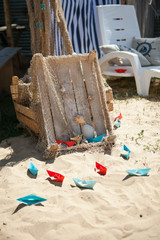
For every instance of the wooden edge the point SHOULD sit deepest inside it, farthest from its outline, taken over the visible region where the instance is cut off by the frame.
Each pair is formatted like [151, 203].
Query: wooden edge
[31, 124]
[25, 111]
[15, 80]
[110, 106]
[14, 96]
[107, 140]
[14, 89]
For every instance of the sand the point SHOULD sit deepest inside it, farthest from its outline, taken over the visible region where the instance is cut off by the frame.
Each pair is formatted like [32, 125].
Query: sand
[119, 207]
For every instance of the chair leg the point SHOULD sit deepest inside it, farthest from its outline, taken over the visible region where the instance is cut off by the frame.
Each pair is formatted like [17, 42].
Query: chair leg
[145, 89]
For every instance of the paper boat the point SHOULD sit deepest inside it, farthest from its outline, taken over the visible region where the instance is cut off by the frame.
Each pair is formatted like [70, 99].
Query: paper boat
[120, 70]
[138, 172]
[33, 169]
[31, 199]
[119, 117]
[57, 177]
[96, 139]
[102, 169]
[68, 143]
[84, 184]
[125, 152]
[117, 123]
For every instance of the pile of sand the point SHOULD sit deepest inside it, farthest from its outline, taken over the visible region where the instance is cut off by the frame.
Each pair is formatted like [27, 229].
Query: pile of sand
[119, 207]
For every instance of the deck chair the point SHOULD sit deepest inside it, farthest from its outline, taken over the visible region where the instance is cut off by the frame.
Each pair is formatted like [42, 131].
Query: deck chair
[118, 25]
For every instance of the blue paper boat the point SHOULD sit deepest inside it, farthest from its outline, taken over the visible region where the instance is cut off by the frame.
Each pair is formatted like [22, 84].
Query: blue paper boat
[33, 169]
[83, 183]
[96, 139]
[125, 152]
[138, 172]
[117, 123]
[31, 199]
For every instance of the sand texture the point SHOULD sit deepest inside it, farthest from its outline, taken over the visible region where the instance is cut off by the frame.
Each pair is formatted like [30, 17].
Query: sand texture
[119, 207]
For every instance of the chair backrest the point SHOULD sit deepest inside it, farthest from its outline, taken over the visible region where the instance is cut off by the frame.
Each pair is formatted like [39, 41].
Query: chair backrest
[117, 24]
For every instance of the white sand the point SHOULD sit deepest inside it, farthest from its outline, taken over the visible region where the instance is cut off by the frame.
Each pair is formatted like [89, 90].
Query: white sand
[118, 207]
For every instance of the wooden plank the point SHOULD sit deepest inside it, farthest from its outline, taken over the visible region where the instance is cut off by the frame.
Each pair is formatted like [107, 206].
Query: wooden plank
[67, 94]
[14, 96]
[8, 23]
[93, 92]
[14, 89]
[80, 91]
[56, 103]
[37, 74]
[100, 82]
[28, 122]
[25, 111]
[15, 80]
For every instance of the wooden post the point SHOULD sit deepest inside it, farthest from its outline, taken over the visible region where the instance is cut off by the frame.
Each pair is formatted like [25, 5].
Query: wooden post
[8, 23]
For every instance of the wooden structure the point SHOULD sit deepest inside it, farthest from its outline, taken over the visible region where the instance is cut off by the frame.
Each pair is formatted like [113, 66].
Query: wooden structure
[146, 13]
[10, 64]
[60, 88]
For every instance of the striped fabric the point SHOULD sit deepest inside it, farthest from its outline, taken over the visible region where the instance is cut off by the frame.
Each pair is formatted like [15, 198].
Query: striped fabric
[81, 20]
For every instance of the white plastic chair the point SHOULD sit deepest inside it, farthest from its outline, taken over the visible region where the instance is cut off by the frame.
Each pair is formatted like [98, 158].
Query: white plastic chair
[118, 25]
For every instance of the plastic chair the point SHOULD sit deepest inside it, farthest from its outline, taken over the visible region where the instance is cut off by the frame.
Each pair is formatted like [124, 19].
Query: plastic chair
[118, 25]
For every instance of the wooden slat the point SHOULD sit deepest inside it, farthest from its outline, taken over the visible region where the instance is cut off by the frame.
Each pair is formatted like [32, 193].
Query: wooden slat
[28, 122]
[93, 92]
[38, 73]
[15, 80]
[80, 91]
[25, 111]
[15, 96]
[56, 104]
[67, 96]
[14, 89]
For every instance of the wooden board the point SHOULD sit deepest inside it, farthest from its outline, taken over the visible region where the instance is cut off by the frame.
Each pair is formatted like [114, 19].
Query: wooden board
[67, 96]
[56, 106]
[31, 124]
[25, 111]
[37, 69]
[80, 91]
[93, 92]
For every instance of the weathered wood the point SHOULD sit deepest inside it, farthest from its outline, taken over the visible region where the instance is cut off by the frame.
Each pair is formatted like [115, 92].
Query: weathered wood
[65, 89]
[31, 124]
[25, 111]
[14, 96]
[8, 23]
[15, 80]
[37, 72]
[94, 98]
[14, 89]
[79, 89]
[56, 104]
[102, 95]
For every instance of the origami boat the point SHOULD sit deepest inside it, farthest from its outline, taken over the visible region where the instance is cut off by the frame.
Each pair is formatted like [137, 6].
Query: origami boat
[96, 139]
[125, 152]
[31, 199]
[83, 183]
[33, 169]
[117, 123]
[68, 143]
[138, 172]
[119, 117]
[57, 177]
[102, 169]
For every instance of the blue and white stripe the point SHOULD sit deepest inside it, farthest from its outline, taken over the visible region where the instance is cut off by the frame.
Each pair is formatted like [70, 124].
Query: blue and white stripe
[81, 20]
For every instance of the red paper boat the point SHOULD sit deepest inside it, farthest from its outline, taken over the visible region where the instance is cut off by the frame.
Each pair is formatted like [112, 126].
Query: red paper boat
[102, 169]
[120, 70]
[57, 177]
[68, 143]
[119, 117]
